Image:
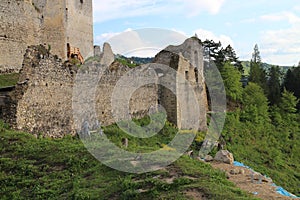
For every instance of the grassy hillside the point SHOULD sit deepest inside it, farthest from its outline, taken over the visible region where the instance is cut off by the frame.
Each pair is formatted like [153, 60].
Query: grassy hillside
[266, 149]
[46, 168]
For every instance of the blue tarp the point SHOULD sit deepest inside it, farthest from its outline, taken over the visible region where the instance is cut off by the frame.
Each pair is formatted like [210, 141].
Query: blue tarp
[239, 164]
[279, 190]
[283, 192]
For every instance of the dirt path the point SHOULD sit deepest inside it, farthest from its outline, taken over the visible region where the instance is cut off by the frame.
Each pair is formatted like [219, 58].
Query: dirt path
[246, 180]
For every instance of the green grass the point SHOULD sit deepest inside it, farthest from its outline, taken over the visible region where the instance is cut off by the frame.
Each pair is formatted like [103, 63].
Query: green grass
[8, 79]
[47, 168]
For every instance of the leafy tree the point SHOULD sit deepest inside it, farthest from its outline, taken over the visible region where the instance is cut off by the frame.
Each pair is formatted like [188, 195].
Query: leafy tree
[231, 77]
[255, 104]
[274, 85]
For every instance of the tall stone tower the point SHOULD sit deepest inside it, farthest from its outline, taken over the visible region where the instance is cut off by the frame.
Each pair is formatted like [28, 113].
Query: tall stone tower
[187, 60]
[57, 23]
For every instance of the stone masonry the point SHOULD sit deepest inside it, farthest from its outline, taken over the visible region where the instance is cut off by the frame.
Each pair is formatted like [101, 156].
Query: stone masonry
[44, 101]
[55, 23]
[187, 60]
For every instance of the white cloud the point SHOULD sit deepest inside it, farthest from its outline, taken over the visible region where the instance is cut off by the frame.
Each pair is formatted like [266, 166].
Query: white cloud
[296, 8]
[116, 9]
[148, 42]
[281, 46]
[204, 34]
[100, 39]
[282, 16]
[141, 42]
[195, 7]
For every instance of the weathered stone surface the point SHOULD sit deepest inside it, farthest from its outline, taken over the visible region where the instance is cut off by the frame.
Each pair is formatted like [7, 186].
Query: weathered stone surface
[187, 59]
[97, 51]
[234, 171]
[142, 99]
[33, 22]
[208, 158]
[41, 103]
[224, 156]
[107, 56]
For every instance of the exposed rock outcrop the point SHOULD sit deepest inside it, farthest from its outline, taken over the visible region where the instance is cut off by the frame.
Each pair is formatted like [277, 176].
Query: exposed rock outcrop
[225, 157]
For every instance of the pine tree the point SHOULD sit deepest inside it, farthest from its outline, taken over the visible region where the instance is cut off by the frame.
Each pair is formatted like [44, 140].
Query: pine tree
[274, 85]
[257, 73]
[292, 82]
[256, 55]
[255, 104]
[231, 77]
[287, 109]
[230, 55]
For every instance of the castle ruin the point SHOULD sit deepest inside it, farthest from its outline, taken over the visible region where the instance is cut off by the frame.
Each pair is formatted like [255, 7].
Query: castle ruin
[42, 99]
[41, 102]
[57, 23]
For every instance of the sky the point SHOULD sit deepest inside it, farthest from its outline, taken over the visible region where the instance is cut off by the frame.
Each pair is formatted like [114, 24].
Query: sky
[274, 25]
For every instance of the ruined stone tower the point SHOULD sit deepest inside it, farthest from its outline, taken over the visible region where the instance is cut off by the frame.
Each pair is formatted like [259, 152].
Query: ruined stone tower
[187, 60]
[56, 23]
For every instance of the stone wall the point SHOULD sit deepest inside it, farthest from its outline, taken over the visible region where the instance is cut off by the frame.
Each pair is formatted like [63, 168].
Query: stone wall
[141, 100]
[54, 22]
[50, 91]
[19, 27]
[43, 100]
[80, 26]
[53, 25]
[43, 96]
[187, 60]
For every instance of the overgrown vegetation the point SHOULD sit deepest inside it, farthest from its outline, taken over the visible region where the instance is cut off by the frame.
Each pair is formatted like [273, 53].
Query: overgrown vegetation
[127, 62]
[8, 79]
[264, 132]
[47, 168]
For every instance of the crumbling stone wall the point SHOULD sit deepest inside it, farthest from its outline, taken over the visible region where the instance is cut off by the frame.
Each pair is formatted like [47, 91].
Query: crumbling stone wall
[43, 99]
[41, 102]
[54, 22]
[187, 60]
[141, 101]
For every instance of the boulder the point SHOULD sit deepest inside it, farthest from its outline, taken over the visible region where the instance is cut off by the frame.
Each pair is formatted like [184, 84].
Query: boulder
[224, 156]
[234, 171]
[208, 158]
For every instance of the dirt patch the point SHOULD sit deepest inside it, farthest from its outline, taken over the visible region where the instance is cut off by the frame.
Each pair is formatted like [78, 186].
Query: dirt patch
[195, 194]
[253, 183]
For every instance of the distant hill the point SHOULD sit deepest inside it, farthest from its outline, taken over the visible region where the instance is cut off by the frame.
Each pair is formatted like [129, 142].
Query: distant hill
[246, 65]
[133, 61]
[136, 61]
